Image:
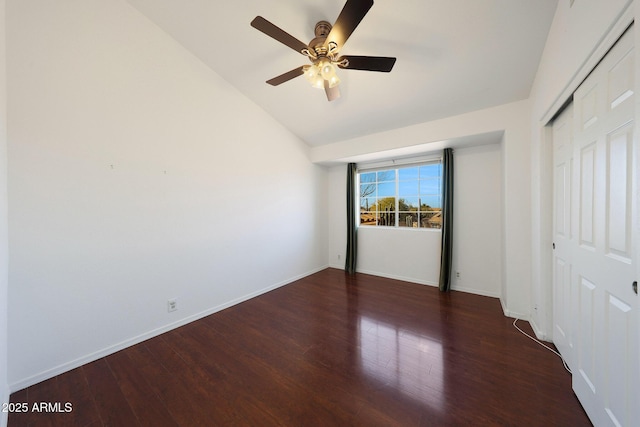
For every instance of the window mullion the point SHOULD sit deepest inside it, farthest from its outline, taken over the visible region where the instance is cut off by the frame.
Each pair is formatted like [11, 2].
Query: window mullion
[397, 215]
[419, 218]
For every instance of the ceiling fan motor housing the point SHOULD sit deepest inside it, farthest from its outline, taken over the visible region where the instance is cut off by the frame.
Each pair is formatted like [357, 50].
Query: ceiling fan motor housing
[317, 44]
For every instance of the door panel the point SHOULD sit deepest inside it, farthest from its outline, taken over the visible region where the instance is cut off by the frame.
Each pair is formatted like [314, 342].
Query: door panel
[618, 320]
[620, 80]
[618, 238]
[587, 189]
[606, 378]
[586, 347]
[562, 180]
[563, 292]
[562, 298]
[587, 102]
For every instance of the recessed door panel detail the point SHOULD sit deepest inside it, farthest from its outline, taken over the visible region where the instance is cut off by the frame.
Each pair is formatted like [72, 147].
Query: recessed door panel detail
[620, 81]
[561, 298]
[618, 215]
[586, 359]
[587, 188]
[561, 196]
[588, 102]
[618, 321]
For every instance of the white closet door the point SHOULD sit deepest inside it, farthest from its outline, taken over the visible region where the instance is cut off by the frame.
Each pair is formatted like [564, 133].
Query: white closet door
[604, 221]
[563, 289]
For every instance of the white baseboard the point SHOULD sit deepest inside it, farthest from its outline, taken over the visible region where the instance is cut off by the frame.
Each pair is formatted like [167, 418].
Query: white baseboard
[513, 314]
[475, 291]
[429, 283]
[540, 334]
[65, 367]
[396, 277]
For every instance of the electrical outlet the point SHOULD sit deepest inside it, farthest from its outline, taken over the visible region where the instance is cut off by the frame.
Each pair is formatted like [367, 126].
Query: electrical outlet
[339, 257]
[172, 305]
[457, 274]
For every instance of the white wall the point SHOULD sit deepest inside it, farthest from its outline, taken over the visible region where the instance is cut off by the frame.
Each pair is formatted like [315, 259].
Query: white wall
[508, 275]
[337, 212]
[578, 38]
[477, 221]
[414, 255]
[400, 253]
[4, 254]
[137, 175]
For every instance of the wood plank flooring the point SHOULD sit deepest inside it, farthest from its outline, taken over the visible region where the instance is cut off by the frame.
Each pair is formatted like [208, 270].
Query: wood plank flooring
[328, 350]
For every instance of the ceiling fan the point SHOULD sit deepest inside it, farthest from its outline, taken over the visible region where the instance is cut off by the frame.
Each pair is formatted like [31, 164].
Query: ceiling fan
[323, 51]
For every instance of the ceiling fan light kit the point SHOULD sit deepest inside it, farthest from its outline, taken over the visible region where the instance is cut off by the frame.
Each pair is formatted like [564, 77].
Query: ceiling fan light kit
[323, 51]
[320, 71]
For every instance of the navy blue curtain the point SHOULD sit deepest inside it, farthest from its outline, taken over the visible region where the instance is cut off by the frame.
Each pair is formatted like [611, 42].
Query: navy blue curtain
[447, 220]
[352, 238]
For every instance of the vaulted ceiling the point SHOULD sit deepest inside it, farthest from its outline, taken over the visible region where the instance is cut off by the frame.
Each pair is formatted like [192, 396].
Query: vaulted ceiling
[453, 57]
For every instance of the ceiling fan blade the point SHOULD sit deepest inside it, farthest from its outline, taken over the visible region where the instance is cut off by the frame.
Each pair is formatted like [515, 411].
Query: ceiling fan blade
[333, 93]
[368, 63]
[351, 15]
[275, 32]
[282, 78]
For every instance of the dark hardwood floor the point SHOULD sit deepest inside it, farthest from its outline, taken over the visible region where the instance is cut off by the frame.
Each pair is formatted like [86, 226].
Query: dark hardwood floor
[327, 350]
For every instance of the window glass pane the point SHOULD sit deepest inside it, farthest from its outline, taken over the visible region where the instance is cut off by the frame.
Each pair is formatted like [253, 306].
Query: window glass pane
[432, 170]
[430, 186]
[408, 220]
[408, 173]
[386, 203]
[388, 175]
[386, 189]
[367, 203]
[387, 218]
[432, 219]
[408, 188]
[368, 177]
[430, 202]
[408, 204]
[367, 190]
[367, 218]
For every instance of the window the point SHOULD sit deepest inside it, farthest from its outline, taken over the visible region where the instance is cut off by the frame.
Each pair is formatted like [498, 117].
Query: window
[402, 197]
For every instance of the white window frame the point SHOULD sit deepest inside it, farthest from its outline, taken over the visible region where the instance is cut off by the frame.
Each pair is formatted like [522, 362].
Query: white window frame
[394, 165]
